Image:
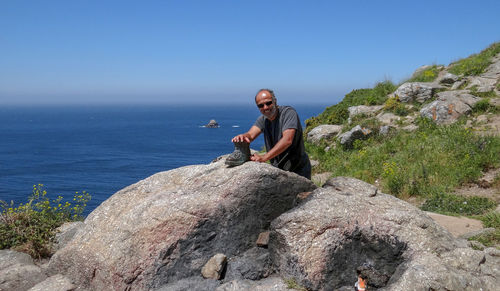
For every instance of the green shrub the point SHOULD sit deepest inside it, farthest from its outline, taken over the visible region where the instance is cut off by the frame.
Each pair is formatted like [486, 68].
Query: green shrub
[31, 227]
[489, 239]
[482, 106]
[393, 104]
[375, 96]
[428, 75]
[491, 219]
[458, 205]
[476, 63]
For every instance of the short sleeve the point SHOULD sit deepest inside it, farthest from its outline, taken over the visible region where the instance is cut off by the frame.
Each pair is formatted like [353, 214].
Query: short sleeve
[260, 122]
[290, 119]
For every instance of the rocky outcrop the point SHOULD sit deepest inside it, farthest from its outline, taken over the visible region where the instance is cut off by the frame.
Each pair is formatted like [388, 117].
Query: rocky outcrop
[166, 227]
[18, 271]
[349, 224]
[487, 81]
[363, 109]
[323, 132]
[65, 233]
[212, 124]
[447, 79]
[388, 118]
[416, 91]
[449, 106]
[347, 138]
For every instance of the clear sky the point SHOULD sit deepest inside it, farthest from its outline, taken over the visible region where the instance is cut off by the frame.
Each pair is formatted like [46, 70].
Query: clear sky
[223, 51]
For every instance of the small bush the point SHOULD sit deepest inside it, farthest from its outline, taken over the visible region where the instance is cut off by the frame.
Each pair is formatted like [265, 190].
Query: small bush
[428, 75]
[475, 64]
[491, 219]
[393, 104]
[489, 239]
[458, 205]
[482, 106]
[31, 227]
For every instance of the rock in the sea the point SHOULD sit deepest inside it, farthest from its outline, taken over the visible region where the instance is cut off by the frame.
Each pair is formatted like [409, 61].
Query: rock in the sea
[323, 132]
[214, 267]
[347, 138]
[343, 226]
[18, 271]
[212, 124]
[166, 227]
[449, 106]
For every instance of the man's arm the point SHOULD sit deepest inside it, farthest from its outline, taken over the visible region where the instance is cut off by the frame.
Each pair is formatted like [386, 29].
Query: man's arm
[285, 141]
[249, 136]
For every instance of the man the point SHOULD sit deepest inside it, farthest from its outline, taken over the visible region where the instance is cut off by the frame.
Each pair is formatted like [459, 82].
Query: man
[282, 135]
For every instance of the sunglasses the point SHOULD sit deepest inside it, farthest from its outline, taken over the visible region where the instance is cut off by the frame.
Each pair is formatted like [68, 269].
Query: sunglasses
[268, 103]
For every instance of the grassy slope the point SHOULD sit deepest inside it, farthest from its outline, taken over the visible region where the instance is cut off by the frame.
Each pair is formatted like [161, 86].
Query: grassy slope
[427, 164]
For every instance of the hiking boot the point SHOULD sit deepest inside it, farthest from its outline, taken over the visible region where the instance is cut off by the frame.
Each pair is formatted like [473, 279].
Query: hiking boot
[240, 155]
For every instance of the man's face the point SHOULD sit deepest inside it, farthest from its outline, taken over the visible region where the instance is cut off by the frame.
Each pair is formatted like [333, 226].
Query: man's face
[266, 105]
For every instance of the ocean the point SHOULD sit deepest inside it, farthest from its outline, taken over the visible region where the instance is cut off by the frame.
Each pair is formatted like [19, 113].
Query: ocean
[102, 149]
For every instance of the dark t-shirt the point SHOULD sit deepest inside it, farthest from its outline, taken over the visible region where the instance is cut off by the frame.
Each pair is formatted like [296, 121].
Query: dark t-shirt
[294, 157]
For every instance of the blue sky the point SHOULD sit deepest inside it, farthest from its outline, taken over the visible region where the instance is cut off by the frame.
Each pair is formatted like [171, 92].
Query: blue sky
[223, 51]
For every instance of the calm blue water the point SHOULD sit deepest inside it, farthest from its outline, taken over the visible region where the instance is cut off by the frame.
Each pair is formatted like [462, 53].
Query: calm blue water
[104, 149]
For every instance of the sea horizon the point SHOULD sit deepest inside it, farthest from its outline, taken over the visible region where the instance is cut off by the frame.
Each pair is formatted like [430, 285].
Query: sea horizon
[104, 148]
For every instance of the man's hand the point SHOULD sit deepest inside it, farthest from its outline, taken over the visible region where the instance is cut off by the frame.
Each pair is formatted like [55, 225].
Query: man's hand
[247, 136]
[258, 158]
[241, 138]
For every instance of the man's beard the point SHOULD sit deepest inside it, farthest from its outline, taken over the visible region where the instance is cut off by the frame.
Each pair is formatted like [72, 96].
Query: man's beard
[272, 113]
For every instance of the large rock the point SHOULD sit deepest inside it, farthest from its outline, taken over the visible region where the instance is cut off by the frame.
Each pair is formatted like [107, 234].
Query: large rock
[446, 78]
[54, 283]
[449, 106]
[363, 109]
[388, 118]
[273, 283]
[487, 81]
[349, 224]
[18, 271]
[416, 91]
[65, 233]
[348, 138]
[482, 84]
[167, 226]
[323, 132]
[254, 264]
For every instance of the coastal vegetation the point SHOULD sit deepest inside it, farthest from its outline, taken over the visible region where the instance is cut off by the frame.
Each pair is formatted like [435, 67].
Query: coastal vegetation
[31, 227]
[476, 63]
[424, 166]
[338, 114]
